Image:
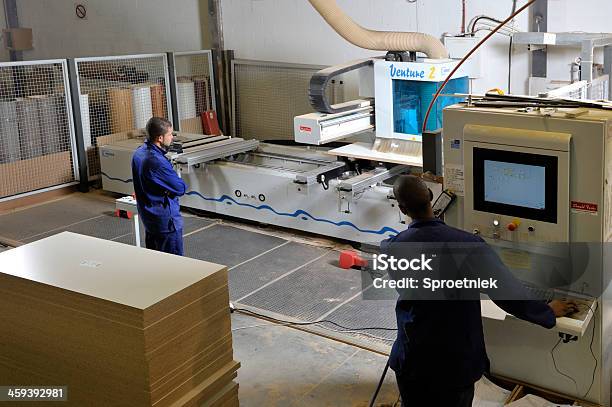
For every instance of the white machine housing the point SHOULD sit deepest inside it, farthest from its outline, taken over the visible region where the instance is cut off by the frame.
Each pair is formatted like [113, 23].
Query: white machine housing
[321, 128]
[386, 72]
[278, 185]
[376, 86]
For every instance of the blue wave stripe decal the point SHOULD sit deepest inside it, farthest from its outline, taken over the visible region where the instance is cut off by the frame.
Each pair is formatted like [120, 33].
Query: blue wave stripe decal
[299, 212]
[125, 181]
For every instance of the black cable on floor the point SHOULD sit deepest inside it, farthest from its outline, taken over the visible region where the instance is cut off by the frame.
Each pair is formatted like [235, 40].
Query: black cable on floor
[380, 383]
[249, 312]
[382, 378]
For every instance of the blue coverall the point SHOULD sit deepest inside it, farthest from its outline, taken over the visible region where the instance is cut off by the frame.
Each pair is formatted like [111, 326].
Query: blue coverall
[157, 188]
[440, 350]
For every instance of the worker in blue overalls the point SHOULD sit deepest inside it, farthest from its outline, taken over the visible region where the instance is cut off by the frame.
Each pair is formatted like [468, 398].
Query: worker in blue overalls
[158, 188]
[440, 352]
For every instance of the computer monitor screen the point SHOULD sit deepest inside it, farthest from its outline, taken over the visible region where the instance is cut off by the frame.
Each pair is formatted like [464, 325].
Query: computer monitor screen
[517, 184]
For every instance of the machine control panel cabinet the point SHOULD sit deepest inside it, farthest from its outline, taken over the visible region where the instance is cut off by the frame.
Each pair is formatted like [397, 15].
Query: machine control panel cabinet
[536, 185]
[519, 181]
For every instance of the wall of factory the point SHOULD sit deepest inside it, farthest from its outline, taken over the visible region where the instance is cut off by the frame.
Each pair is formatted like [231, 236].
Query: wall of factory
[292, 31]
[289, 30]
[112, 27]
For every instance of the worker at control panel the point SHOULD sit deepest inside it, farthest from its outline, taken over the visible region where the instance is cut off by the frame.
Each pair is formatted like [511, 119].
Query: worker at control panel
[440, 351]
[158, 188]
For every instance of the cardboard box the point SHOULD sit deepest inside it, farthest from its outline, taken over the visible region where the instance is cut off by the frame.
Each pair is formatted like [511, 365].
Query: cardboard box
[18, 39]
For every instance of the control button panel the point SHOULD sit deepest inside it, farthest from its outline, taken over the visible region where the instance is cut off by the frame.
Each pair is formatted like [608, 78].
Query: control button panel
[512, 229]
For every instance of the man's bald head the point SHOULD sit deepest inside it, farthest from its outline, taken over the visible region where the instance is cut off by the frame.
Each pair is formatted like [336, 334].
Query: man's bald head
[413, 196]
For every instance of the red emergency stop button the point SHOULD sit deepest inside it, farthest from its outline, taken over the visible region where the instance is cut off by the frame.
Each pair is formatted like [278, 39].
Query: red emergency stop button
[512, 226]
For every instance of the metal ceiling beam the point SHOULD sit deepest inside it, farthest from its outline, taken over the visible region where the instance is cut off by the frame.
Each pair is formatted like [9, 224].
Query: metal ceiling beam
[539, 23]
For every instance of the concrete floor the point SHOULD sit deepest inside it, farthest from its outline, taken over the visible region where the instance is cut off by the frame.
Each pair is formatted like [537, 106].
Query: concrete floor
[283, 366]
[272, 271]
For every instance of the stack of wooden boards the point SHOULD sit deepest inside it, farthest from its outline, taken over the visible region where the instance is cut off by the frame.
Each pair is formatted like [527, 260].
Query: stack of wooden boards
[118, 325]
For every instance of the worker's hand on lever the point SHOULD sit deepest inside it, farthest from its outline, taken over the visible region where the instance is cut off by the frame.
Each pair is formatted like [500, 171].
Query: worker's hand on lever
[562, 308]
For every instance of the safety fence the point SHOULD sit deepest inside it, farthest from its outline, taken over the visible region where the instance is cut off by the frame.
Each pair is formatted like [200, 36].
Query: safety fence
[117, 96]
[195, 88]
[37, 139]
[55, 114]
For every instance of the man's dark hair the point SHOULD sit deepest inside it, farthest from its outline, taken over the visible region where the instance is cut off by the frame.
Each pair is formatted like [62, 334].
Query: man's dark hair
[412, 194]
[157, 126]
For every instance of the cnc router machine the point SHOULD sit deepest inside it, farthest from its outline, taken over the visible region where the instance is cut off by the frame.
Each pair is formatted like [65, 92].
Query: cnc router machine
[344, 192]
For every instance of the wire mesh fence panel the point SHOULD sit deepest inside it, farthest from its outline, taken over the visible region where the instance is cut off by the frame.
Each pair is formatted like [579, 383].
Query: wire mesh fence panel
[600, 87]
[118, 95]
[268, 95]
[36, 131]
[195, 90]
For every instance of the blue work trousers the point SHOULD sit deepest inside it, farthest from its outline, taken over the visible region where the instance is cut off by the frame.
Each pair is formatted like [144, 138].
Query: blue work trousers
[432, 393]
[171, 242]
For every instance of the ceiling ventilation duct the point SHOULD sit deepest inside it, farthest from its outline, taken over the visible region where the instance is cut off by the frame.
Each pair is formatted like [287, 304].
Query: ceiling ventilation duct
[377, 40]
